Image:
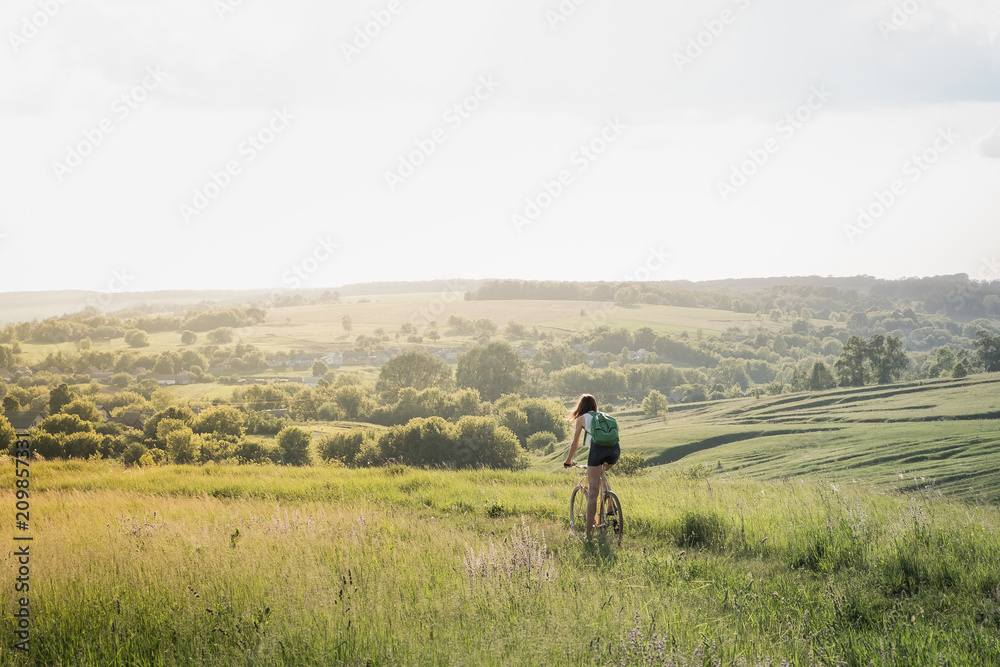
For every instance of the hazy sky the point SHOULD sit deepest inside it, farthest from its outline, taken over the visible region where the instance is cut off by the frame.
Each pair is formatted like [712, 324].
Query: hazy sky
[228, 144]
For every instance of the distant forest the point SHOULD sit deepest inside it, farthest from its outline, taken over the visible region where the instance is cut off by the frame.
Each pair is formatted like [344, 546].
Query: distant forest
[956, 296]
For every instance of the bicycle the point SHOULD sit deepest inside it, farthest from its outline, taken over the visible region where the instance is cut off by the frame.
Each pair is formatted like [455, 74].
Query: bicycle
[609, 509]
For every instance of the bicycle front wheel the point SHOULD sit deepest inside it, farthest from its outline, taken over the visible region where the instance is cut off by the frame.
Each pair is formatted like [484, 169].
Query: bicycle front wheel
[578, 510]
[613, 516]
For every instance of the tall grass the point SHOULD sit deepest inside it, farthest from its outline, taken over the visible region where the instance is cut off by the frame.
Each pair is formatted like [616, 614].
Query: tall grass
[326, 566]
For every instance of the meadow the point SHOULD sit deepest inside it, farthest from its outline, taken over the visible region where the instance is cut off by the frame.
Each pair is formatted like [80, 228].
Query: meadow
[852, 526]
[267, 565]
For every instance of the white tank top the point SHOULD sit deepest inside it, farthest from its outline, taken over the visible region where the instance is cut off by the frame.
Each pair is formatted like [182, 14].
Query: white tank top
[587, 429]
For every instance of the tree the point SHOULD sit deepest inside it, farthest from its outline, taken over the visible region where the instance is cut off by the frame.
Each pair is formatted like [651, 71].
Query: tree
[223, 421]
[943, 364]
[319, 369]
[655, 404]
[8, 436]
[84, 409]
[164, 365]
[412, 368]
[65, 424]
[887, 358]
[221, 336]
[988, 349]
[10, 404]
[348, 323]
[959, 371]
[541, 441]
[60, 397]
[136, 338]
[182, 445]
[189, 337]
[294, 443]
[850, 367]
[821, 378]
[494, 369]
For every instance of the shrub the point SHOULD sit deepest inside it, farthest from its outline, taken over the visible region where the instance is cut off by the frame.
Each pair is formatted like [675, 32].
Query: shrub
[133, 453]
[65, 424]
[294, 443]
[369, 454]
[256, 451]
[50, 446]
[82, 445]
[182, 446]
[541, 440]
[631, 464]
[655, 404]
[344, 446]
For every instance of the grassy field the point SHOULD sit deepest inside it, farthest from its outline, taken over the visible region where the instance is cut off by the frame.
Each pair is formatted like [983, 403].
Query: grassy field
[940, 435]
[395, 566]
[318, 328]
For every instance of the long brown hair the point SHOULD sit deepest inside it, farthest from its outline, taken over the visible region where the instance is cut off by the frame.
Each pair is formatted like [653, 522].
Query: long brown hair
[587, 403]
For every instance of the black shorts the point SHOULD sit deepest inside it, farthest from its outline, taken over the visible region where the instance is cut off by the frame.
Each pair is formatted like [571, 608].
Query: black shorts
[603, 455]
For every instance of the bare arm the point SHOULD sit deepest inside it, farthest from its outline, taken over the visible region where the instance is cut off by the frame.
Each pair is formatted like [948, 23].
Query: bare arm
[576, 442]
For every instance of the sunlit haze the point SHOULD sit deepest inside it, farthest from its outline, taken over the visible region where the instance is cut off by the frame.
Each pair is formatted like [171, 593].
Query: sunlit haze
[262, 144]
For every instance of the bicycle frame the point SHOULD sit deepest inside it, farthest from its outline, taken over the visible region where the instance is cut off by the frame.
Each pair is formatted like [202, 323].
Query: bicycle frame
[608, 513]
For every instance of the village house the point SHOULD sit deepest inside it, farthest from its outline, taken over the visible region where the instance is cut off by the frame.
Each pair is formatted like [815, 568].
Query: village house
[24, 420]
[333, 359]
[133, 419]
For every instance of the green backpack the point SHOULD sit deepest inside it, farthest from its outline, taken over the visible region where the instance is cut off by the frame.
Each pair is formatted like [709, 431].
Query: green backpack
[605, 430]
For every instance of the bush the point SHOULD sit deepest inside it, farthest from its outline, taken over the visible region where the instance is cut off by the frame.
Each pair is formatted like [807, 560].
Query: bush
[294, 443]
[182, 444]
[256, 451]
[542, 440]
[65, 424]
[136, 338]
[133, 453]
[655, 404]
[631, 464]
[153, 457]
[49, 446]
[82, 445]
[344, 446]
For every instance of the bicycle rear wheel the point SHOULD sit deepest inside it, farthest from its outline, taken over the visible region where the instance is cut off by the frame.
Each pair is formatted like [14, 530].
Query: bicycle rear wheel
[578, 510]
[613, 517]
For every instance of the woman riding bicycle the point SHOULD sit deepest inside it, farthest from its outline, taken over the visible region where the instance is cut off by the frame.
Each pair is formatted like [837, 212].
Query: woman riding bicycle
[599, 460]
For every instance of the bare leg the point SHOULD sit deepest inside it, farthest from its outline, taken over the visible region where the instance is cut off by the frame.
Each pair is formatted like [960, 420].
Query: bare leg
[594, 490]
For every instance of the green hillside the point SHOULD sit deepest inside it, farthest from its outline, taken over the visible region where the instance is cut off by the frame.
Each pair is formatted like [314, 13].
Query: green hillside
[940, 435]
